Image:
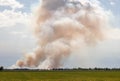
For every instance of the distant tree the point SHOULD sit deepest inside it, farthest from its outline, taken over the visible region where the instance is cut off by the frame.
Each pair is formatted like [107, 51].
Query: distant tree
[1, 68]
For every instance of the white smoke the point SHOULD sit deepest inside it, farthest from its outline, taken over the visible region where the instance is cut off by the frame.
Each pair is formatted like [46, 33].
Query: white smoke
[61, 26]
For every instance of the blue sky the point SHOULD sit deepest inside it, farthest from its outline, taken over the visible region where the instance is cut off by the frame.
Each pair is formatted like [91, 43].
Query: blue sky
[16, 37]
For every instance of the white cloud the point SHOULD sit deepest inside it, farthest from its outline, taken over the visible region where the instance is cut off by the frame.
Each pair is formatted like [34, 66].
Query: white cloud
[112, 3]
[21, 34]
[104, 54]
[9, 18]
[11, 3]
[113, 34]
[15, 33]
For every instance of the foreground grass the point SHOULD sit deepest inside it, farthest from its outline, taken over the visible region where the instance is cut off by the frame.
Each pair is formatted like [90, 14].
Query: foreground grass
[60, 76]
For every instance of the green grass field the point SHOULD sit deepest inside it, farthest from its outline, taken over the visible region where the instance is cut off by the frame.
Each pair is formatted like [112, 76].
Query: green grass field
[60, 76]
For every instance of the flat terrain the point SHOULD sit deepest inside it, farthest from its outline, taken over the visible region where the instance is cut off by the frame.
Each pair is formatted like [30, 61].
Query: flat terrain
[60, 76]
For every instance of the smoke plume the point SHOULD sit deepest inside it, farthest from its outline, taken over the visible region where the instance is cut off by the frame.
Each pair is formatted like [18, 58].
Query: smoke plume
[61, 26]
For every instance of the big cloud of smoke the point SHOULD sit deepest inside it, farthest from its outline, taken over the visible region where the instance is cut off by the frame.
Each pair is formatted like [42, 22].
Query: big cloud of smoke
[61, 27]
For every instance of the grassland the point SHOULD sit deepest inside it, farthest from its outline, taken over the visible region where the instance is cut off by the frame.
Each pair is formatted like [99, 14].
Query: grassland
[60, 76]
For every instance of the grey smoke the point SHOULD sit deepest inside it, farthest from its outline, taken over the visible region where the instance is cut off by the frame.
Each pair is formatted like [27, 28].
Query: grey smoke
[61, 27]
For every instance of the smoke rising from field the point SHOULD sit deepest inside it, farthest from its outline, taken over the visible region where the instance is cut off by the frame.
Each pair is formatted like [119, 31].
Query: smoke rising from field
[61, 26]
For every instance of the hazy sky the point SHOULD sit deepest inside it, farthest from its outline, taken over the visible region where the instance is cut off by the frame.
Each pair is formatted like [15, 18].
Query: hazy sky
[16, 37]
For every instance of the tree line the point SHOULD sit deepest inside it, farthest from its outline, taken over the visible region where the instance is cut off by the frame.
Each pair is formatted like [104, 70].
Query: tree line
[1, 68]
[90, 69]
[59, 69]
